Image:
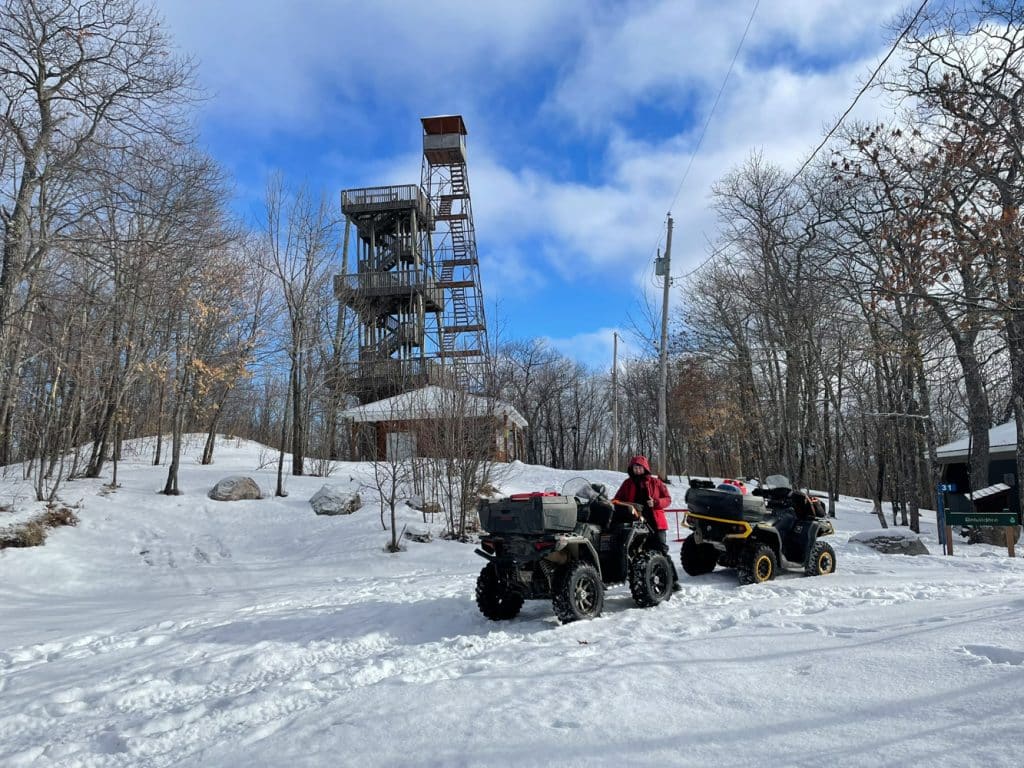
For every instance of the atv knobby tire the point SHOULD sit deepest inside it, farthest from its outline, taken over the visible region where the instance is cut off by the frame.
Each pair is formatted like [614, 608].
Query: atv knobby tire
[697, 559]
[495, 601]
[579, 593]
[758, 564]
[650, 579]
[821, 560]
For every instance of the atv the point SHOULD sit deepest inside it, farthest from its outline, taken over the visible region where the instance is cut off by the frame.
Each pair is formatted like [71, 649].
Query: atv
[756, 534]
[566, 548]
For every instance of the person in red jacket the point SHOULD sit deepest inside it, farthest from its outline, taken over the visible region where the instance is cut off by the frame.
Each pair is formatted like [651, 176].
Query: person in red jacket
[649, 492]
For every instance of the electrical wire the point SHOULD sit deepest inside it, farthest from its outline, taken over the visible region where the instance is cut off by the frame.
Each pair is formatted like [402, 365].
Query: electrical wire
[831, 133]
[714, 106]
[861, 92]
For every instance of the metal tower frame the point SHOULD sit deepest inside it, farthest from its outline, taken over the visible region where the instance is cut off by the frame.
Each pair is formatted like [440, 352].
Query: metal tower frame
[416, 291]
[445, 180]
[394, 292]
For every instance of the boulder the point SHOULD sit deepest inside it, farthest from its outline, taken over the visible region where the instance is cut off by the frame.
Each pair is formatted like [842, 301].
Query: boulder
[418, 533]
[235, 488]
[892, 542]
[426, 507]
[994, 535]
[333, 500]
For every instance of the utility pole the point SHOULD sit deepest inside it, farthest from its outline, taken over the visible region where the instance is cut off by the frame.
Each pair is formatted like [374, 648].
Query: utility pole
[614, 458]
[664, 268]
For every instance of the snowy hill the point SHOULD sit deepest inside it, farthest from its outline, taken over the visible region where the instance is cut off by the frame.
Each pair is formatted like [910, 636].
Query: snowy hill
[183, 631]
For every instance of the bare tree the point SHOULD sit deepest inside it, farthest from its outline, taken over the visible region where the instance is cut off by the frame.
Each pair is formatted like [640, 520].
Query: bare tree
[461, 443]
[72, 75]
[301, 241]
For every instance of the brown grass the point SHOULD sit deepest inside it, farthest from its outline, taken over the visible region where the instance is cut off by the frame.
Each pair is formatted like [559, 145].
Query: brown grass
[55, 517]
[33, 533]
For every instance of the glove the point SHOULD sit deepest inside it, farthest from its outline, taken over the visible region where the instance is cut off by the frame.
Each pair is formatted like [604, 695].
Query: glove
[650, 503]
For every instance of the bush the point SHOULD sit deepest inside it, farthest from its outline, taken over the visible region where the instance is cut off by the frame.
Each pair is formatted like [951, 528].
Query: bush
[33, 533]
[55, 517]
[30, 534]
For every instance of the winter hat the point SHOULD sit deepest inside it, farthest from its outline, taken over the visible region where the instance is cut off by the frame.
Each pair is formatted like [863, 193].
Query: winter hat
[642, 461]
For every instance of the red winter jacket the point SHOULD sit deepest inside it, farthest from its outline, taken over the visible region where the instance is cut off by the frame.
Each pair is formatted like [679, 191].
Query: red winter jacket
[656, 490]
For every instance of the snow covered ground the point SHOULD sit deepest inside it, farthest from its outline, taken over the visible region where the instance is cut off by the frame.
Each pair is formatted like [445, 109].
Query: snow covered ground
[182, 631]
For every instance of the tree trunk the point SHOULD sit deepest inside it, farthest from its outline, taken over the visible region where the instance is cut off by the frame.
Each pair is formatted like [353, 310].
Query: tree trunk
[160, 421]
[298, 422]
[284, 443]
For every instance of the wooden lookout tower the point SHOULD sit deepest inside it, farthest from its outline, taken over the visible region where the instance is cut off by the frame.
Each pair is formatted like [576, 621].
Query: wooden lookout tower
[416, 291]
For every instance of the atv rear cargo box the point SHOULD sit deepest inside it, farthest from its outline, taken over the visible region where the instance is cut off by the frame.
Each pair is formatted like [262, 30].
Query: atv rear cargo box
[532, 514]
[724, 505]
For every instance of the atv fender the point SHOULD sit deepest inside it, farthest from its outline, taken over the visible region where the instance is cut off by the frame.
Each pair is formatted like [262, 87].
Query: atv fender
[767, 534]
[824, 528]
[577, 548]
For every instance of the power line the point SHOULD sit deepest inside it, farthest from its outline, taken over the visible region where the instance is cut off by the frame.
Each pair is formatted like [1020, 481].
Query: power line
[906, 30]
[861, 92]
[714, 106]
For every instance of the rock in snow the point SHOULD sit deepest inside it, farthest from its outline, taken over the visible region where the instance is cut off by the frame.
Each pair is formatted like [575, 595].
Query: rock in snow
[334, 500]
[892, 542]
[235, 488]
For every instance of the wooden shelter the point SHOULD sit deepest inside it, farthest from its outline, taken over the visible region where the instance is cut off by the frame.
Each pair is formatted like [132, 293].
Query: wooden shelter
[435, 421]
[1002, 464]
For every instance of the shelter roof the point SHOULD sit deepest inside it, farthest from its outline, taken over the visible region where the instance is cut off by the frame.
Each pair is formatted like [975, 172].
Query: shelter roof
[1002, 439]
[432, 402]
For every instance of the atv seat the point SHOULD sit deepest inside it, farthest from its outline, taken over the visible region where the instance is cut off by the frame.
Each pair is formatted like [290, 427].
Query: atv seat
[598, 512]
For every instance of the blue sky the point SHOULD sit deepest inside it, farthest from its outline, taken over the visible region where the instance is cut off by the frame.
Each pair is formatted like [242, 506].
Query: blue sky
[582, 118]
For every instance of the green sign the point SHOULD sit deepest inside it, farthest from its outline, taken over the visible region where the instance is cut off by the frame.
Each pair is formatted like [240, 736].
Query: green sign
[981, 518]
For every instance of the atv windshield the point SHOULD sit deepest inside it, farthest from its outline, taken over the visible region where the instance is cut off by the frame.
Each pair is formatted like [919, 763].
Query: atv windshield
[776, 481]
[582, 488]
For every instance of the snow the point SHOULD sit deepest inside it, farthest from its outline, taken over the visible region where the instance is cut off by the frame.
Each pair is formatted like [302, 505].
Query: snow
[184, 631]
[1001, 439]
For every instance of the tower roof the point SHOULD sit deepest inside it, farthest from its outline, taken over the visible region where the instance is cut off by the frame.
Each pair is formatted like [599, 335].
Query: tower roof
[443, 124]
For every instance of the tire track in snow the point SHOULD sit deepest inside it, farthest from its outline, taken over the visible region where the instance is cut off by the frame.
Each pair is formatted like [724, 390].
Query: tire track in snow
[226, 688]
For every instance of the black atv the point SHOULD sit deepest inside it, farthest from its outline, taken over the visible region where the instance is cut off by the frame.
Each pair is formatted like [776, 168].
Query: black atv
[565, 548]
[756, 534]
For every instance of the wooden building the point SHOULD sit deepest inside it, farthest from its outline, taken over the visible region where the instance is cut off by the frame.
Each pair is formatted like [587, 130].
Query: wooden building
[435, 421]
[1002, 465]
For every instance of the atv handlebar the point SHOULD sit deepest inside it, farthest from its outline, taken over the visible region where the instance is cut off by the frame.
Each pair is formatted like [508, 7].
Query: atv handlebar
[633, 507]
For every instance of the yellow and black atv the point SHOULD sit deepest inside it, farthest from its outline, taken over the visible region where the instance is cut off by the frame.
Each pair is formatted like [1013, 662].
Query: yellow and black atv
[774, 527]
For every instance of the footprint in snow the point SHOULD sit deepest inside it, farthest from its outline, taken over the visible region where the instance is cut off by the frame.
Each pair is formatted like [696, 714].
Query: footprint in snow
[994, 654]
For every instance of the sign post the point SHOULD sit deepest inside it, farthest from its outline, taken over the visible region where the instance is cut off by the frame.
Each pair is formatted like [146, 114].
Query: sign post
[945, 530]
[1005, 519]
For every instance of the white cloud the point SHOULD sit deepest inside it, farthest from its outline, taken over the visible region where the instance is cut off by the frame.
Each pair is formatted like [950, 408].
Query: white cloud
[612, 229]
[593, 68]
[671, 50]
[596, 349]
[291, 64]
